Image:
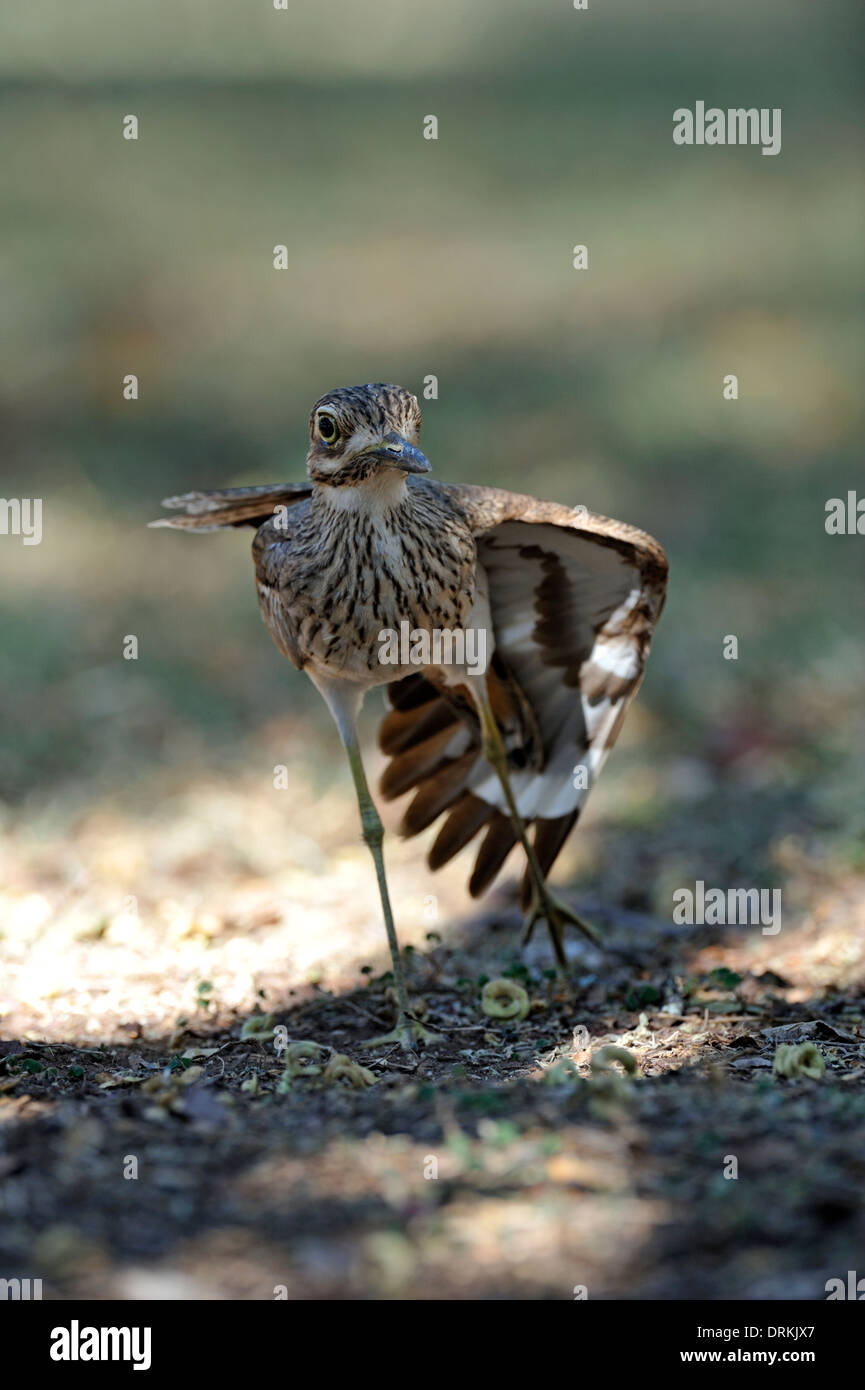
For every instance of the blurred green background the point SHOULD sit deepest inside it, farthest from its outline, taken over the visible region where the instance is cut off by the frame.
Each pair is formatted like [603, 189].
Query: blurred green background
[410, 257]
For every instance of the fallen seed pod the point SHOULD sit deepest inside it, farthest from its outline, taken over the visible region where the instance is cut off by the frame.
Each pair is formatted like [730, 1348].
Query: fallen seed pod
[799, 1059]
[608, 1087]
[610, 1053]
[562, 1071]
[297, 1056]
[258, 1026]
[342, 1068]
[504, 999]
[297, 1063]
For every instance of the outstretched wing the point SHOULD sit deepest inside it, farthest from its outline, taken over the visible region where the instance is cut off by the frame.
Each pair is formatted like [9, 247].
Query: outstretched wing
[575, 598]
[232, 506]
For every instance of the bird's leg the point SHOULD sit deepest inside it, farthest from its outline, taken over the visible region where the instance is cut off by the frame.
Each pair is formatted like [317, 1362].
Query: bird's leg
[408, 1030]
[544, 904]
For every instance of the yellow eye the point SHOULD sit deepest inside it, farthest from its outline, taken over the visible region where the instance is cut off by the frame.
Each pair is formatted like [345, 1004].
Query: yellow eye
[327, 429]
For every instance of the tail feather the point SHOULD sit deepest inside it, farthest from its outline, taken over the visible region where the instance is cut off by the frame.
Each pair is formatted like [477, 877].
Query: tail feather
[410, 768]
[466, 818]
[412, 692]
[495, 848]
[437, 793]
[431, 737]
[403, 729]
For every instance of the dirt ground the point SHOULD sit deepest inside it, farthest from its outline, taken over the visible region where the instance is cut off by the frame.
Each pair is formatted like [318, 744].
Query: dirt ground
[154, 1144]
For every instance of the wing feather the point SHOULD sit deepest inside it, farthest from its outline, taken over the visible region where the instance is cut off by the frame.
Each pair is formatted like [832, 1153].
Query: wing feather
[231, 506]
[575, 598]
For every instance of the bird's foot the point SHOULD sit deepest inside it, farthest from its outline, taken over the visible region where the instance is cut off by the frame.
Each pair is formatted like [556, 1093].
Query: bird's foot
[408, 1033]
[546, 907]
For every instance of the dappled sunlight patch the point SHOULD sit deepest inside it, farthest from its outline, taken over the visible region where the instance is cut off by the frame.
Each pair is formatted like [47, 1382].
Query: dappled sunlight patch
[111, 919]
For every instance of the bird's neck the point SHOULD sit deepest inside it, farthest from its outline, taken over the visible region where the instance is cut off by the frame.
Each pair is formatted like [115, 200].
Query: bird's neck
[375, 496]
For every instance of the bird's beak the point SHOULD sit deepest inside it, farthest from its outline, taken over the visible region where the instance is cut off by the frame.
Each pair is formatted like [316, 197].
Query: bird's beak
[396, 452]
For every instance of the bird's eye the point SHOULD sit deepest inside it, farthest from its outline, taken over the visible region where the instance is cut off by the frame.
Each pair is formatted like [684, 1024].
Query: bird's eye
[327, 428]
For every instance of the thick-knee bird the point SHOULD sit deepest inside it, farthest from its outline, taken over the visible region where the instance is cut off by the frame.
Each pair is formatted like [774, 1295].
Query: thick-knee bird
[510, 635]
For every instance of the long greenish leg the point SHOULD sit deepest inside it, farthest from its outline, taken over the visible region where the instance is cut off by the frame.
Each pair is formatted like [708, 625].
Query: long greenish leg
[408, 1030]
[544, 903]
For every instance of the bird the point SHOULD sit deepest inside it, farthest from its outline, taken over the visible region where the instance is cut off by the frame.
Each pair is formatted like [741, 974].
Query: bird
[562, 603]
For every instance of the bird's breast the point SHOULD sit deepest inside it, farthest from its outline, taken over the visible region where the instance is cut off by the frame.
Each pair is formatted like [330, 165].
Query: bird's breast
[358, 585]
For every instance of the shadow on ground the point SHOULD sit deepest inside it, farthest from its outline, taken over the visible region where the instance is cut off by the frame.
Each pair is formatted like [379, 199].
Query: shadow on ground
[497, 1164]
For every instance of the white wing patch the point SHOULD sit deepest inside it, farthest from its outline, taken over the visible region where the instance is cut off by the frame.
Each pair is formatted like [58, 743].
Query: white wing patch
[561, 605]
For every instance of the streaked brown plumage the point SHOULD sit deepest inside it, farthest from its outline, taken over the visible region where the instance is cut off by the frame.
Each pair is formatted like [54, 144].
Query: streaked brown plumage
[568, 601]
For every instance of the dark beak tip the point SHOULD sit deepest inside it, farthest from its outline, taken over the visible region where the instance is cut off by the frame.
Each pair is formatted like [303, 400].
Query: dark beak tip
[418, 463]
[396, 452]
[400, 454]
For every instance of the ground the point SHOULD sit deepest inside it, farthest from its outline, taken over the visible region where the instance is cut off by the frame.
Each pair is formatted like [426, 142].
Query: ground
[151, 1146]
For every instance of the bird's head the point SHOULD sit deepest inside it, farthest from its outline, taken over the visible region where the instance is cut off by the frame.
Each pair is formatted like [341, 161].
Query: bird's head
[359, 434]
